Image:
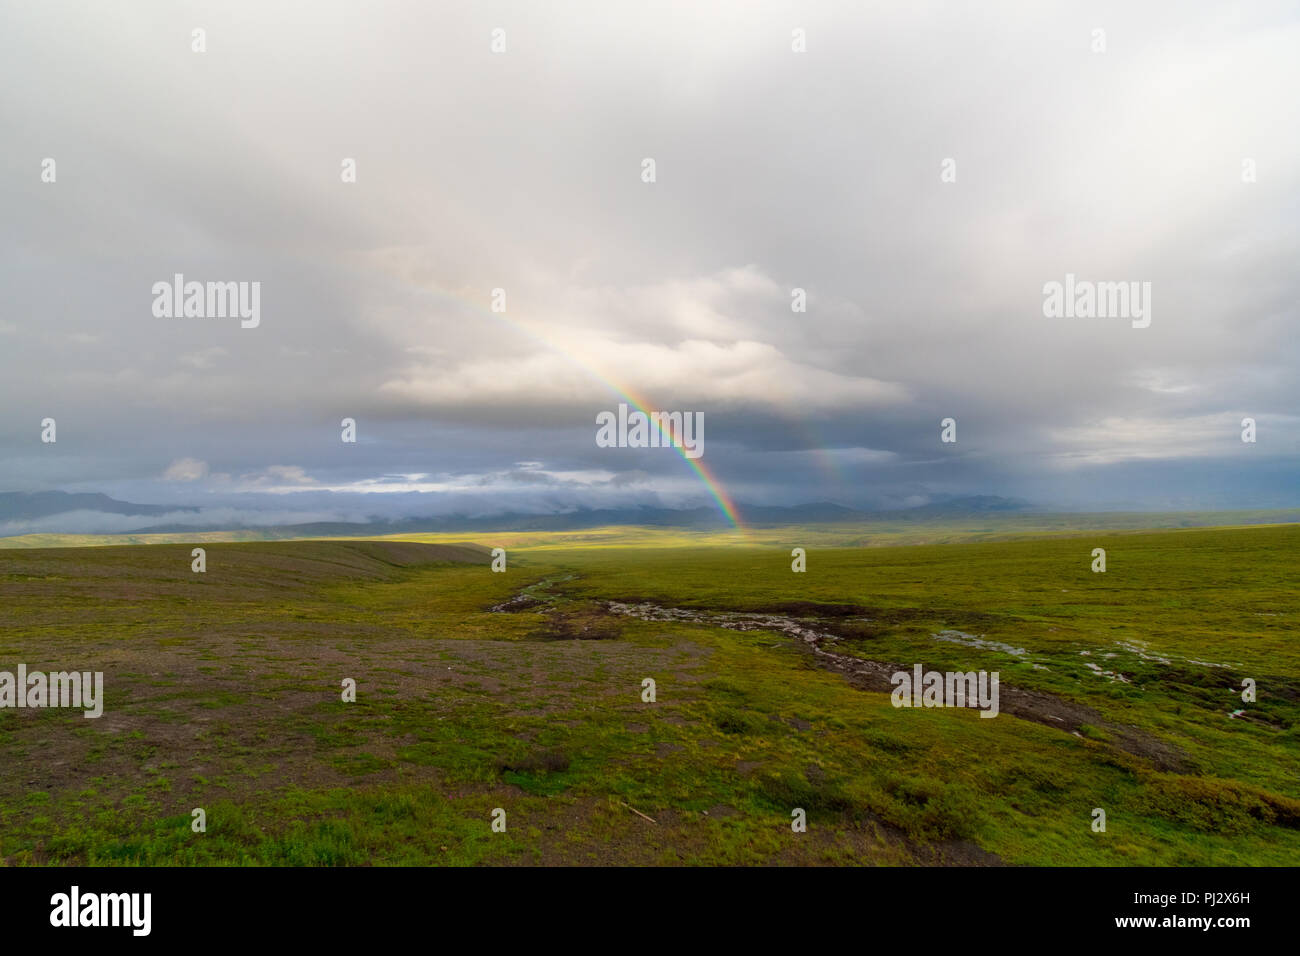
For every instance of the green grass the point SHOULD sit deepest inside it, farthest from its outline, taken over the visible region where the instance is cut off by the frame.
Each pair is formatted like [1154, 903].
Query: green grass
[223, 692]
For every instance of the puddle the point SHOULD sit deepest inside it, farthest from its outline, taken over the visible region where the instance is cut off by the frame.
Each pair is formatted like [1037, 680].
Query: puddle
[1109, 675]
[1138, 649]
[970, 640]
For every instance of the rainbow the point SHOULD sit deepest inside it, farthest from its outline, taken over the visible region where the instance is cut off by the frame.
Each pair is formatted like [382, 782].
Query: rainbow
[710, 481]
[724, 501]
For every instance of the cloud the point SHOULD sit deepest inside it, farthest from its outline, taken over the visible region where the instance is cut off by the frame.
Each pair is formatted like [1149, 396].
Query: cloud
[776, 171]
[277, 478]
[1126, 439]
[695, 372]
[186, 469]
[204, 358]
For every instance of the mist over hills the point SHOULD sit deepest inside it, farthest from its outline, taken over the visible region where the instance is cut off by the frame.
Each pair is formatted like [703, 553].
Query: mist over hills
[37, 512]
[56, 512]
[23, 505]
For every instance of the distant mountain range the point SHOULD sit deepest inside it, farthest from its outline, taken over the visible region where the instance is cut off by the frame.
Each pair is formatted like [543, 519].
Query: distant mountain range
[27, 507]
[24, 506]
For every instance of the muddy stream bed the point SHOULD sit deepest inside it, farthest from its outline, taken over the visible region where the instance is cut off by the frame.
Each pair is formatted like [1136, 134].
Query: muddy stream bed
[808, 633]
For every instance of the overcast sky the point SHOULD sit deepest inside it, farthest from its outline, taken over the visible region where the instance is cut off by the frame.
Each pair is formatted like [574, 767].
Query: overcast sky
[774, 170]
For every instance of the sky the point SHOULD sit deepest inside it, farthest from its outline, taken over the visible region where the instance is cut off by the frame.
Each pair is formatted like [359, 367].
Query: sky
[921, 171]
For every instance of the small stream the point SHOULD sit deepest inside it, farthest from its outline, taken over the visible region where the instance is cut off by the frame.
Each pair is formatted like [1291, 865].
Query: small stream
[532, 596]
[875, 673]
[1038, 706]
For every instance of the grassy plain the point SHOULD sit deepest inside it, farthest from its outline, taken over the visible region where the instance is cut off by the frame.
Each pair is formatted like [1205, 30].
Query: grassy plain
[223, 692]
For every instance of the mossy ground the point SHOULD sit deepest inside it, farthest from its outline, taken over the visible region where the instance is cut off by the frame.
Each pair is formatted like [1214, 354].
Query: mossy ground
[223, 692]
